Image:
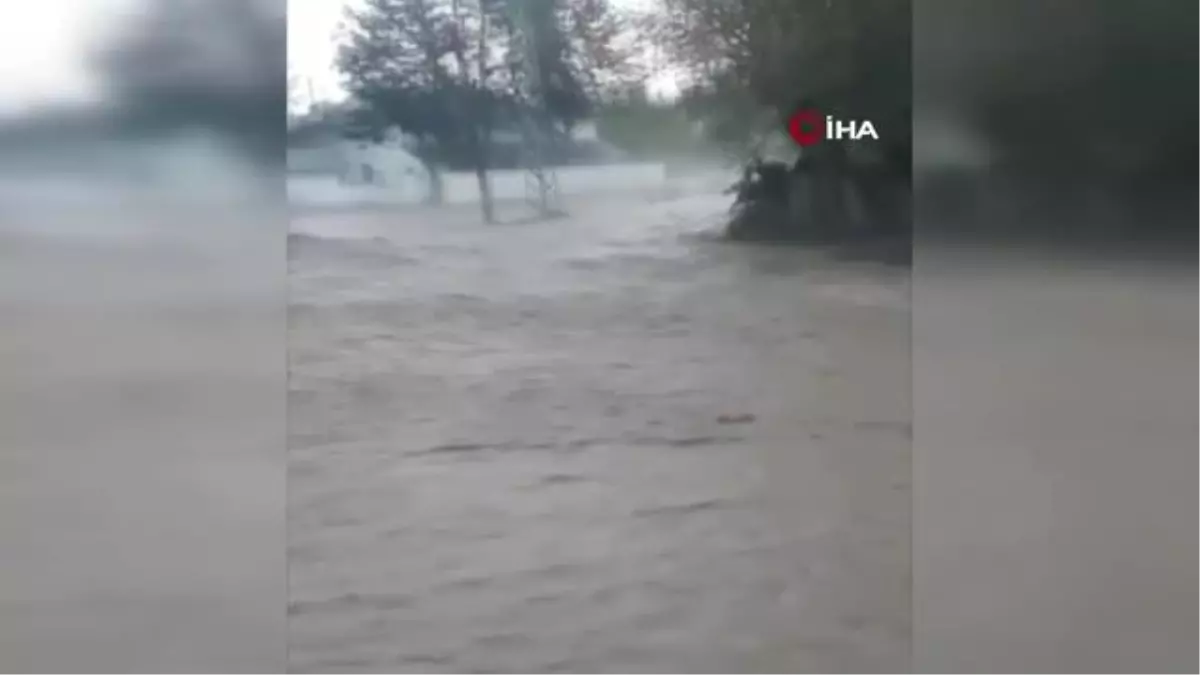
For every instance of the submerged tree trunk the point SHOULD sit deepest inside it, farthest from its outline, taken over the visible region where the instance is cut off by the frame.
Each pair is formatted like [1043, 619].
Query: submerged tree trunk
[835, 180]
[884, 187]
[886, 198]
[437, 189]
[481, 155]
[485, 194]
[426, 151]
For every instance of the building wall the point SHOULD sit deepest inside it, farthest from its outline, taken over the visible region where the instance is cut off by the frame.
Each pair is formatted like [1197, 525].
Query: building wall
[347, 170]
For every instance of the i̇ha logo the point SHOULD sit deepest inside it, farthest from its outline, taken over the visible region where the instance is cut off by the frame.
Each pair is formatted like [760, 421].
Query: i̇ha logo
[808, 126]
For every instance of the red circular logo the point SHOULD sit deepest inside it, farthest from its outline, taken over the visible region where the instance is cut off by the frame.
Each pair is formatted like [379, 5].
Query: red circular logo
[806, 127]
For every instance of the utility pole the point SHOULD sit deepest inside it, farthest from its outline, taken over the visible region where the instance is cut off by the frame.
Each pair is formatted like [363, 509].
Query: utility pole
[537, 132]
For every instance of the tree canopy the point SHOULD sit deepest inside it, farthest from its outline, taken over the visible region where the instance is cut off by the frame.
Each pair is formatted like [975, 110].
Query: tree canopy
[850, 57]
[447, 69]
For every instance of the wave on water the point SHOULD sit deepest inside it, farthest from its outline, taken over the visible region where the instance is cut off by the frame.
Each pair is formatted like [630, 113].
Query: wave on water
[866, 294]
[304, 245]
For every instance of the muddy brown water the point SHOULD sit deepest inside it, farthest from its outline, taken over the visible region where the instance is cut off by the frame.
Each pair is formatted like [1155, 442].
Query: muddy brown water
[602, 443]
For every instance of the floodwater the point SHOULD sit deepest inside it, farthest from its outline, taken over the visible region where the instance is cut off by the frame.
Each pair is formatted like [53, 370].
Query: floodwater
[141, 436]
[605, 443]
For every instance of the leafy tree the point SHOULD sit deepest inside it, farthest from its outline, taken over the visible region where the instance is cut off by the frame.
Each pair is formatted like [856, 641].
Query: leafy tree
[448, 71]
[849, 57]
[560, 87]
[601, 47]
[434, 67]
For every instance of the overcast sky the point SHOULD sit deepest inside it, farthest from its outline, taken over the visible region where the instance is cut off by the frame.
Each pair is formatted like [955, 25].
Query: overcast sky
[312, 31]
[43, 47]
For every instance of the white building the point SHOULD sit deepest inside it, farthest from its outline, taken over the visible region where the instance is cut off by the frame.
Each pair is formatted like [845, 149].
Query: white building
[388, 165]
